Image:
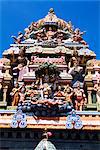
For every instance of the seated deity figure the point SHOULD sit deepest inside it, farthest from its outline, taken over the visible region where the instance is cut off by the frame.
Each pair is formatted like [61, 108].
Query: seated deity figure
[40, 35]
[51, 17]
[59, 94]
[35, 95]
[50, 33]
[77, 37]
[80, 98]
[97, 89]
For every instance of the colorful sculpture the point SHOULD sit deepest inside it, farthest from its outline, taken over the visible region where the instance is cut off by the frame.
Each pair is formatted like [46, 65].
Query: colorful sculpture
[47, 62]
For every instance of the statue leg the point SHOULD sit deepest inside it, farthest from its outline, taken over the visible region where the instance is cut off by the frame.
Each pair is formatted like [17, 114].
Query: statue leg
[76, 104]
[81, 105]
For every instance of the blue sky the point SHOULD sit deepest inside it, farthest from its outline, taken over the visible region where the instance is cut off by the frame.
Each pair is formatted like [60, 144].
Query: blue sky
[15, 15]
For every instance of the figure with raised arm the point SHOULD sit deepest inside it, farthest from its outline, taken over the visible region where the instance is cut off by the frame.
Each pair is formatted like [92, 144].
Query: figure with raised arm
[18, 39]
[77, 37]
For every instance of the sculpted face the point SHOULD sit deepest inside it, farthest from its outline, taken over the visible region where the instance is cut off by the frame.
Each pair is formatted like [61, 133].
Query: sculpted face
[16, 85]
[68, 90]
[78, 85]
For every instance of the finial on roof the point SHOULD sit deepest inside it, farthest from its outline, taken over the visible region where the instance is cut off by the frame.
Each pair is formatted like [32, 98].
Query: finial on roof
[51, 10]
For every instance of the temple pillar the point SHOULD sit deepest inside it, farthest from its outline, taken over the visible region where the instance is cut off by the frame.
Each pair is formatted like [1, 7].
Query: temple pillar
[5, 93]
[89, 96]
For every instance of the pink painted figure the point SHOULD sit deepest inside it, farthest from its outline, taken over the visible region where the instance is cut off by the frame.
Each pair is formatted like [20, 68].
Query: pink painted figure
[68, 91]
[22, 70]
[22, 93]
[80, 98]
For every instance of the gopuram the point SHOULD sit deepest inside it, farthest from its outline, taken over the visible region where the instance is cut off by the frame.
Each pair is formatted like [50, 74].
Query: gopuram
[50, 80]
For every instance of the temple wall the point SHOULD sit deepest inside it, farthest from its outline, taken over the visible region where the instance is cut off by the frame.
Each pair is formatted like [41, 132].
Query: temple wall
[21, 139]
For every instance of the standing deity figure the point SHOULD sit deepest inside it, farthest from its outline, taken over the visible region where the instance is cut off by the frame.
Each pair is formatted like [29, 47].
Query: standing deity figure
[68, 91]
[21, 71]
[59, 94]
[22, 93]
[75, 70]
[15, 95]
[21, 58]
[80, 98]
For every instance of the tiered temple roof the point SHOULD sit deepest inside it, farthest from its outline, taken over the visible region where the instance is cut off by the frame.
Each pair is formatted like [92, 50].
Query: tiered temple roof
[48, 71]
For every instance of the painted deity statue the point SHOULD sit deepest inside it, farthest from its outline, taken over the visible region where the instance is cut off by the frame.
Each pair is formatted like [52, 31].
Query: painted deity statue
[68, 94]
[80, 97]
[77, 37]
[76, 71]
[50, 33]
[15, 95]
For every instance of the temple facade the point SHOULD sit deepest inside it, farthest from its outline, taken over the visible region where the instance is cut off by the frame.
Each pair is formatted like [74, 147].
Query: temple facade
[49, 89]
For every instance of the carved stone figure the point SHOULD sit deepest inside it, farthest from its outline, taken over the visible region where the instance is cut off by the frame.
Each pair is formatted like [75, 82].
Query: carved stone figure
[69, 27]
[50, 33]
[76, 71]
[27, 32]
[21, 58]
[22, 93]
[18, 39]
[77, 37]
[54, 57]
[15, 95]
[68, 94]
[80, 98]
